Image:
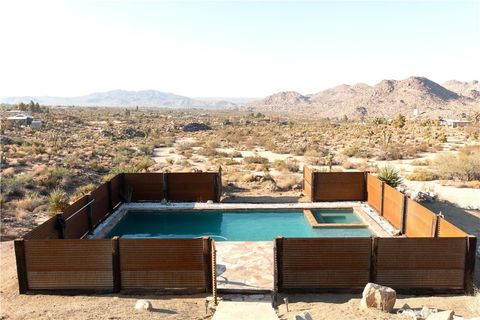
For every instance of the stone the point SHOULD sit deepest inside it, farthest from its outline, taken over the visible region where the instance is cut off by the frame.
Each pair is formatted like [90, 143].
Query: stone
[143, 305]
[195, 126]
[379, 297]
[302, 316]
[442, 315]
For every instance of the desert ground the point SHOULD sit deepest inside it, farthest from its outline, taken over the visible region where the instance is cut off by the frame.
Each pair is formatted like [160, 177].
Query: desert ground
[261, 156]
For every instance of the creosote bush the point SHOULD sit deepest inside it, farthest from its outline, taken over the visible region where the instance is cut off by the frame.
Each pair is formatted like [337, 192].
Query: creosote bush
[58, 200]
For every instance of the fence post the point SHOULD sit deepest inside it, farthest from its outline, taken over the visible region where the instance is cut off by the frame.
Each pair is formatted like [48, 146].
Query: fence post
[60, 225]
[278, 265]
[19, 245]
[404, 214]
[382, 195]
[436, 226]
[220, 186]
[165, 185]
[471, 247]
[208, 263]
[364, 185]
[89, 214]
[373, 259]
[117, 276]
[313, 179]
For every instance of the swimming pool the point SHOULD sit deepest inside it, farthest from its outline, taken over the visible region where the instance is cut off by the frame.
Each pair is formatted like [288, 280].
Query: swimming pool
[233, 225]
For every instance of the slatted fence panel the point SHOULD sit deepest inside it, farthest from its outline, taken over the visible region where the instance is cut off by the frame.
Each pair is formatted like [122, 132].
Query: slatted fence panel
[185, 186]
[116, 188]
[374, 192]
[145, 186]
[46, 230]
[420, 220]
[448, 230]
[162, 264]
[393, 206]
[321, 263]
[69, 264]
[423, 263]
[339, 186]
[77, 225]
[100, 205]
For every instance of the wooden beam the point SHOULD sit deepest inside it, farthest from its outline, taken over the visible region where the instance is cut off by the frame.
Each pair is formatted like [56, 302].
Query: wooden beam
[117, 276]
[278, 267]
[207, 264]
[471, 248]
[373, 260]
[20, 258]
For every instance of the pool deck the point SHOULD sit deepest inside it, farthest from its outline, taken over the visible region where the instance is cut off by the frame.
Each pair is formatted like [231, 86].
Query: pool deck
[379, 225]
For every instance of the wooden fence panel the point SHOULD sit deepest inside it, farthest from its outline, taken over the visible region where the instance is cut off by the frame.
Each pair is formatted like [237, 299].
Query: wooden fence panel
[185, 186]
[423, 263]
[46, 230]
[393, 206]
[77, 225]
[323, 263]
[448, 230]
[162, 264]
[374, 192]
[145, 186]
[69, 264]
[100, 205]
[339, 186]
[420, 220]
[115, 189]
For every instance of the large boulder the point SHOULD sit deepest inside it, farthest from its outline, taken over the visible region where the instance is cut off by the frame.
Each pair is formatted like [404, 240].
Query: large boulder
[195, 126]
[379, 297]
[442, 315]
[143, 305]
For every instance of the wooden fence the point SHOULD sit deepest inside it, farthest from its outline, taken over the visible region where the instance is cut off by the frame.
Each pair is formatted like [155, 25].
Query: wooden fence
[82, 216]
[334, 186]
[406, 264]
[113, 265]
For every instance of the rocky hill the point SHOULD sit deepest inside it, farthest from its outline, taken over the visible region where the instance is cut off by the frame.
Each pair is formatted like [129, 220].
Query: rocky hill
[385, 99]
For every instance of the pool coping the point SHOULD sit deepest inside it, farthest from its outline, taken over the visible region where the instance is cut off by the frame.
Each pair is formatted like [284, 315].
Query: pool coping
[379, 227]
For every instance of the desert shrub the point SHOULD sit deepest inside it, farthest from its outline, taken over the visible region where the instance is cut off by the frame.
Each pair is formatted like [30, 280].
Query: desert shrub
[236, 154]
[420, 162]
[290, 165]
[58, 200]
[15, 184]
[144, 163]
[55, 175]
[120, 169]
[352, 151]
[463, 167]
[255, 159]
[29, 202]
[390, 175]
[84, 190]
[422, 175]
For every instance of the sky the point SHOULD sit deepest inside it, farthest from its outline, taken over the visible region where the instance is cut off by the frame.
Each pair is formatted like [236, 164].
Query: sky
[231, 49]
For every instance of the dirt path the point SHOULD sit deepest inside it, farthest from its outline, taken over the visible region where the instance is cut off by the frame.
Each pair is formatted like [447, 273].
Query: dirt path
[107, 306]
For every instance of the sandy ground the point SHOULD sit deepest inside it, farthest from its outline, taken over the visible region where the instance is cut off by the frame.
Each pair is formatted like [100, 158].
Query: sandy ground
[346, 306]
[106, 306]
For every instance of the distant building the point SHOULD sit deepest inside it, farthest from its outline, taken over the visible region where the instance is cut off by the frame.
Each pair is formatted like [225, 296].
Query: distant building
[455, 123]
[21, 118]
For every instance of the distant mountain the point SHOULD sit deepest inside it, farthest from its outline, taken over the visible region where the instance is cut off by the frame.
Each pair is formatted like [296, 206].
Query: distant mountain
[386, 99]
[124, 98]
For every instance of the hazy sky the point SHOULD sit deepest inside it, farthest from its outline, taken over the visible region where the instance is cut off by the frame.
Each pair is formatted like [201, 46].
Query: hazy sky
[235, 49]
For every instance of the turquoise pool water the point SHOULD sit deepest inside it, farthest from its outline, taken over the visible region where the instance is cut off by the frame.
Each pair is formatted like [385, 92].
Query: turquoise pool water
[240, 225]
[336, 216]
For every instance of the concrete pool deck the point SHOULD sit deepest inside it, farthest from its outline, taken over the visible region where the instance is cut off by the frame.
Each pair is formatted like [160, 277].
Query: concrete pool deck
[379, 225]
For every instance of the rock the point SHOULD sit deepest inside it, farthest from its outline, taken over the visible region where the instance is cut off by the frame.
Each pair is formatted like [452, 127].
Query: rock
[195, 126]
[302, 316]
[442, 315]
[143, 305]
[133, 133]
[379, 297]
